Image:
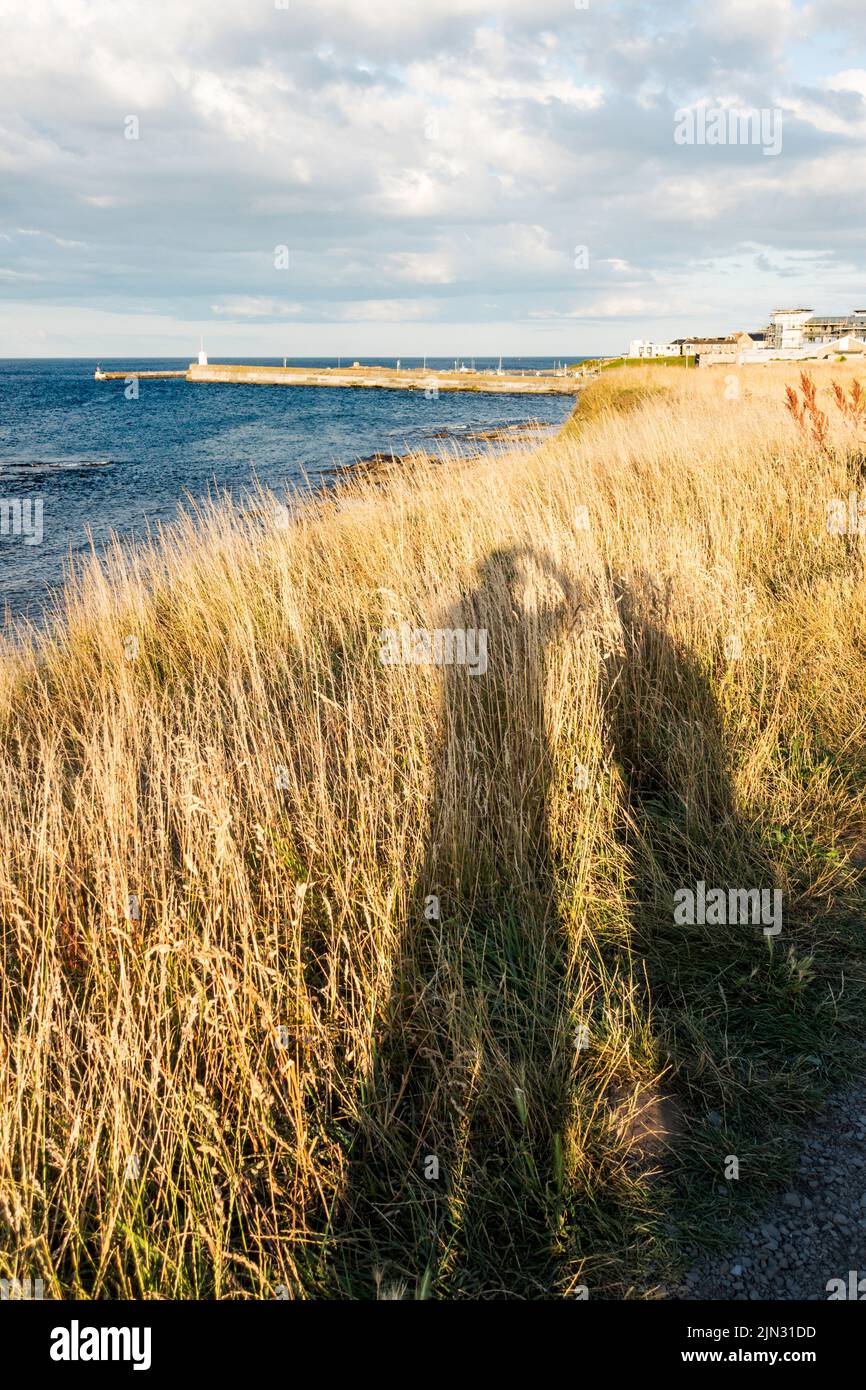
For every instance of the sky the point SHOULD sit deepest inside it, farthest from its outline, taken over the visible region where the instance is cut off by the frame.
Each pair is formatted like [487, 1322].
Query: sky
[450, 177]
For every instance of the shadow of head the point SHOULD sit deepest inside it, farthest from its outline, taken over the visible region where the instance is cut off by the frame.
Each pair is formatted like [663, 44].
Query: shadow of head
[517, 584]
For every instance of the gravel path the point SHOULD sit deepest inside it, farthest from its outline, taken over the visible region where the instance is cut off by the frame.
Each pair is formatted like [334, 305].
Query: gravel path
[816, 1232]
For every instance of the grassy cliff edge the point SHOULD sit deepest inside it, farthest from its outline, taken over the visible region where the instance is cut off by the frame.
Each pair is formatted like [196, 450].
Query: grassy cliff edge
[329, 975]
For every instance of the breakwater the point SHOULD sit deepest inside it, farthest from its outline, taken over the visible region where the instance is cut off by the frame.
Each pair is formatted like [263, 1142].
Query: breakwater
[431, 383]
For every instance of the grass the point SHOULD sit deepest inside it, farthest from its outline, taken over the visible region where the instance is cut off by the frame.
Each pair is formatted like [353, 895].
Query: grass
[618, 393]
[324, 977]
[607, 364]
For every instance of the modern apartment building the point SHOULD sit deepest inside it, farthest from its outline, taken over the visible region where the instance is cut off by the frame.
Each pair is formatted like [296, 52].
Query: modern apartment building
[796, 328]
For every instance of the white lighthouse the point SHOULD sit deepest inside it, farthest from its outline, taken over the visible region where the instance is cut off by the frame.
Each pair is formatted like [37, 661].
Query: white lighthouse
[202, 355]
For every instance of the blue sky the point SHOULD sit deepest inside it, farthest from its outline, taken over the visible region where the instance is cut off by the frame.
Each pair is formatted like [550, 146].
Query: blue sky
[446, 176]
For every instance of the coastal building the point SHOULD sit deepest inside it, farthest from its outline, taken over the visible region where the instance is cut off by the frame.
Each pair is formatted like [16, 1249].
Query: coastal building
[642, 347]
[792, 334]
[786, 328]
[844, 347]
[202, 355]
[795, 329]
[692, 347]
[824, 329]
[700, 347]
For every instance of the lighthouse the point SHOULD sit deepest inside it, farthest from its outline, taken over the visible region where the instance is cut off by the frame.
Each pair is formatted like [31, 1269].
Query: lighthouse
[202, 355]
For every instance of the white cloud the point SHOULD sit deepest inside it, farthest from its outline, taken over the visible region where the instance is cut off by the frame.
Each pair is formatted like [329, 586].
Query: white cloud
[427, 163]
[770, 22]
[425, 268]
[386, 311]
[49, 236]
[614, 306]
[851, 80]
[254, 306]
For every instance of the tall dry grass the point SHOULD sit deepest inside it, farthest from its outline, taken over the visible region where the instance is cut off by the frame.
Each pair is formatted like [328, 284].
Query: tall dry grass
[238, 1043]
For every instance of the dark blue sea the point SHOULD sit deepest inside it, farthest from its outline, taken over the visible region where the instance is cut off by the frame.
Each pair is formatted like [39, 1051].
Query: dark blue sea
[102, 464]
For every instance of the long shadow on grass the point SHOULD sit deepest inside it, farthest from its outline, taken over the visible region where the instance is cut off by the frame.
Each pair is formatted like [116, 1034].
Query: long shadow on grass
[735, 1020]
[457, 1185]
[453, 1179]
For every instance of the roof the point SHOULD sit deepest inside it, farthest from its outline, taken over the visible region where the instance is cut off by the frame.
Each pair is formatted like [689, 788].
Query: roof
[852, 344]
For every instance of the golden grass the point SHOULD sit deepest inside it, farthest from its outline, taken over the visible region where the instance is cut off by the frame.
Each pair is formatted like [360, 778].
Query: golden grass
[235, 1033]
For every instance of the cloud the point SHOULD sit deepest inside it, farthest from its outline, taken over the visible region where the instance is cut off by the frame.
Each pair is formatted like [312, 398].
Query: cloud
[58, 241]
[386, 311]
[614, 306]
[422, 267]
[427, 165]
[254, 306]
[852, 80]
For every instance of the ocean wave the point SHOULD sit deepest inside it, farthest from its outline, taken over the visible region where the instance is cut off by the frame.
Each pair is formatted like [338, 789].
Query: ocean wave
[25, 468]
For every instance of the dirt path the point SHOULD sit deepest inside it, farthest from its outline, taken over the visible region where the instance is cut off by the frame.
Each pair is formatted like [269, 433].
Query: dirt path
[814, 1233]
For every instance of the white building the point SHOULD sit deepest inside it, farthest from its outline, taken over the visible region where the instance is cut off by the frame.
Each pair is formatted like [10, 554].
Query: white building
[786, 326]
[641, 347]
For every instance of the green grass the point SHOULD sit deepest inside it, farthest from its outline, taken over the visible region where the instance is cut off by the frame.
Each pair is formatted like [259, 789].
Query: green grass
[606, 364]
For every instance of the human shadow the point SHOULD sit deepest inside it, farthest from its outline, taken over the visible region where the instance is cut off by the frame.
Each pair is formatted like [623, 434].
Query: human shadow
[682, 823]
[703, 907]
[457, 1183]
[664, 733]
[453, 1177]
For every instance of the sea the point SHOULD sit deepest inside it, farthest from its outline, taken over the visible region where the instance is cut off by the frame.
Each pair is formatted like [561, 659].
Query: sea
[93, 460]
